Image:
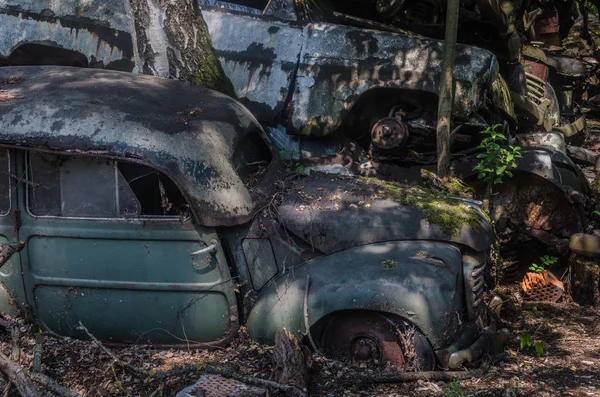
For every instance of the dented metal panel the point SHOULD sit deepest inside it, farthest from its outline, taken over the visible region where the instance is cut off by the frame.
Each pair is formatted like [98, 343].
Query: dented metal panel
[424, 293]
[259, 55]
[340, 63]
[188, 132]
[109, 13]
[102, 42]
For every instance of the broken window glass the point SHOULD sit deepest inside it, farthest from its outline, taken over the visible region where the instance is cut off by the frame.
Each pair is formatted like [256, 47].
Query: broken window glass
[157, 194]
[96, 187]
[79, 187]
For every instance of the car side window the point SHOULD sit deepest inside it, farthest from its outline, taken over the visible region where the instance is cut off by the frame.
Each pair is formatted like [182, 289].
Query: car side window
[5, 185]
[92, 187]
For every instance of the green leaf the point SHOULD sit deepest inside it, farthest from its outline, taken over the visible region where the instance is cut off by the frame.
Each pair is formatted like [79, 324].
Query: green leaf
[500, 170]
[540, 348]
[525, 340]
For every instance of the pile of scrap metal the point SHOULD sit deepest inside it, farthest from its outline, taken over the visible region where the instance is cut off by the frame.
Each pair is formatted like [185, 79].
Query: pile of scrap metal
[352, 87]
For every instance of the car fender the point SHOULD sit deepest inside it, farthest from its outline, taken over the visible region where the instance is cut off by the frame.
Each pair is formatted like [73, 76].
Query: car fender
[420, 281]
[547, 163]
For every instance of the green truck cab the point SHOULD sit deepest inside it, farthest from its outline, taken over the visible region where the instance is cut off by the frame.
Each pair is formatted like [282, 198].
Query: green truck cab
[156, 211]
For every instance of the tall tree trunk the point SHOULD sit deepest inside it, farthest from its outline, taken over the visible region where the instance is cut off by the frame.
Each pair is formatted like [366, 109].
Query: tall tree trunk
[446, 90]
[177, 25]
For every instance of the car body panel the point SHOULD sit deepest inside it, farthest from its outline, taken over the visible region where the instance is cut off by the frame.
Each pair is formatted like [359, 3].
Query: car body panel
[100, 30]
[340, 63]
[12, 292]
[352, 213]
[261, 62]
[327, 67]
[127, 279]
[185, 131]
[427, 295]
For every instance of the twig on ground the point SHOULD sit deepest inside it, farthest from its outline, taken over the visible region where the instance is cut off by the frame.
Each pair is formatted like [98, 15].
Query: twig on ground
[38, 350]
[306, 322]
[15, 339]
[7, 389]
[18, 376]
[187, 369]
[52, 385]
[444, 376]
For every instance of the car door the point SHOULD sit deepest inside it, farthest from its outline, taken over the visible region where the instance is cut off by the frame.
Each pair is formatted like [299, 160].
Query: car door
[111, 245]
[12, 296]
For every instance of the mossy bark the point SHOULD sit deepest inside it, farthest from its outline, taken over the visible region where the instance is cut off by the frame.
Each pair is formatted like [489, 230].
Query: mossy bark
[173, 41]
[585, 280]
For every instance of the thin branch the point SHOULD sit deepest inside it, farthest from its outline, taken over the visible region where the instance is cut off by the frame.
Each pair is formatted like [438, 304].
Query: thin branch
[306, 322]
[53, 385]
[18, 376]
[187, 369]
[444, 376]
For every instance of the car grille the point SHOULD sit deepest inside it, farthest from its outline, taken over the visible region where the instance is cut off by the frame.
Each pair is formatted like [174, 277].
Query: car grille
[474, 271]
[477, 288]
[536, 89]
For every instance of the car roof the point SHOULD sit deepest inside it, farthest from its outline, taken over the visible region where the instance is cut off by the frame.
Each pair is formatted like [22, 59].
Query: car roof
[187, 132]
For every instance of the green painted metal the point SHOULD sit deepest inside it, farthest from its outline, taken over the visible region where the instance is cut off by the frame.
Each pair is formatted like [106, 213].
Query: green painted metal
[418, 281]
[12, 293]
[127, 280]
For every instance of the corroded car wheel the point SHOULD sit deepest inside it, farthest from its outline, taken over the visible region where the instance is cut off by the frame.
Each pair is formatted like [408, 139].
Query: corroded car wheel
[372, 339]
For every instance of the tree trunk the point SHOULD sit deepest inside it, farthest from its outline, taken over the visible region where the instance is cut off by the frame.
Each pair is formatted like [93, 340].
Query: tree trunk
[446, 90]
[177, 25]
[289, 361]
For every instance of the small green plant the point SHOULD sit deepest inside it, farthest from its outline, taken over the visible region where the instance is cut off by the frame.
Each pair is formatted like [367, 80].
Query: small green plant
[547, 261]
[527, 341]
[453, 389]
[389, 264]
[496, 161]
[540, 347]
[596, 212]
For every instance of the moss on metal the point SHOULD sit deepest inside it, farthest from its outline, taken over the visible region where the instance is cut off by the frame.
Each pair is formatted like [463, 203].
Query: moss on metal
[448, 213]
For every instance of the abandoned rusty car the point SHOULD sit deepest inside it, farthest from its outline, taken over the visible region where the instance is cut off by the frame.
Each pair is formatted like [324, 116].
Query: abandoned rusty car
[151, 212]
[329, 87]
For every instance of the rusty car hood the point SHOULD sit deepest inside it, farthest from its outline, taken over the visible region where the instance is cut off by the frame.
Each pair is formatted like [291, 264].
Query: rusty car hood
[333, 213]
[187, 132]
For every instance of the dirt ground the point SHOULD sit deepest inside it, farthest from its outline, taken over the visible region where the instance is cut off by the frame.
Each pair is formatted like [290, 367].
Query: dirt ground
[570, 365]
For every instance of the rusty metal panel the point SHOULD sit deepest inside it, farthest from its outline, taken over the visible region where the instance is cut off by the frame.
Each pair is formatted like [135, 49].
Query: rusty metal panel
[340, 63]
[111, 13]
[188, 132]
[426, 294]
[102, 41]
[259, 55]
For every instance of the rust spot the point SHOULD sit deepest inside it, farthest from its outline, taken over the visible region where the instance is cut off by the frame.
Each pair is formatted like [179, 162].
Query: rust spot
[12, 80]
[7, 96]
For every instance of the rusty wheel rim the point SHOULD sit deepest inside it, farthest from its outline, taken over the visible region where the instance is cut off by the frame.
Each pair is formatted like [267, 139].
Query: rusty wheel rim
[365, 339]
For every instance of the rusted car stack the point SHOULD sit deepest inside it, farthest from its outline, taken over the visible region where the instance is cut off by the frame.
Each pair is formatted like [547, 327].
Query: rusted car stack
[189, 210]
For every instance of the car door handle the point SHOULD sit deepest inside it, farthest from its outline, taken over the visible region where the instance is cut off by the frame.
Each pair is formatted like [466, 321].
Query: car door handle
[207, 250]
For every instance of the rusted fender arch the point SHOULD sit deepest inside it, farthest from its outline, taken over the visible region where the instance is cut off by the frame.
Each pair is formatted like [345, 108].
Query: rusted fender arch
[549, 164]
[416, 280]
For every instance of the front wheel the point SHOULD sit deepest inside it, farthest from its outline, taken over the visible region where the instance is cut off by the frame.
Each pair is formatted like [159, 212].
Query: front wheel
[372, 339]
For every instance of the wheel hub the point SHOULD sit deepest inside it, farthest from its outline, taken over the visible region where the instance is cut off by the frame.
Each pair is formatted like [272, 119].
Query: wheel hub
[364, 349]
